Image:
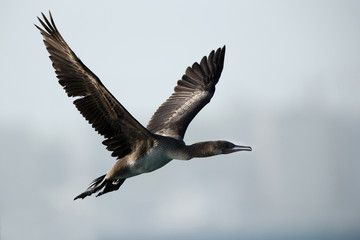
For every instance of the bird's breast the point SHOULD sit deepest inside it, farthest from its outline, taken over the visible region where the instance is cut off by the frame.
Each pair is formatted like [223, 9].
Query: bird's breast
[154, 159]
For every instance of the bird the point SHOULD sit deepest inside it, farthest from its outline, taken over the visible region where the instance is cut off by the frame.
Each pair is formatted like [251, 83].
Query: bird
[137, 149]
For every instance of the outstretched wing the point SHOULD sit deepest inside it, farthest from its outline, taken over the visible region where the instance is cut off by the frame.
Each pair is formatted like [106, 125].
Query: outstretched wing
[100, 108]
[192, 93]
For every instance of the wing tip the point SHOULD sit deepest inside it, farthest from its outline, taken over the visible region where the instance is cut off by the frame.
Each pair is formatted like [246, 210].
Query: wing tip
[49, 26]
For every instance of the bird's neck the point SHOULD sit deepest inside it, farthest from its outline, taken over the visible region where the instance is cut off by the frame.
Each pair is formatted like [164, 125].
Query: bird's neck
[197, 150]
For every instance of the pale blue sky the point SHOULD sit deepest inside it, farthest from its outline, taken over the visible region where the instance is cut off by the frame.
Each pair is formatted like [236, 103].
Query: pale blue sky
[290, 89]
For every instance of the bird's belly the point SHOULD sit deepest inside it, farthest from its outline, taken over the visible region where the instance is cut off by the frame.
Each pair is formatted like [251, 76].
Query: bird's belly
[150, 162]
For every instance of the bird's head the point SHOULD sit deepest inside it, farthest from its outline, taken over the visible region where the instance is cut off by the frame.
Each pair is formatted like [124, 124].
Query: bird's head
[225, 147]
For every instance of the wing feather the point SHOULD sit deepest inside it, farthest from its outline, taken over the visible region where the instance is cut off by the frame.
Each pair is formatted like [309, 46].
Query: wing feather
[99, 107]
[191, 94]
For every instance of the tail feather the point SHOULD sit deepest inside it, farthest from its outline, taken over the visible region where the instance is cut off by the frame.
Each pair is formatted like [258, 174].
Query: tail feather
[99, 183]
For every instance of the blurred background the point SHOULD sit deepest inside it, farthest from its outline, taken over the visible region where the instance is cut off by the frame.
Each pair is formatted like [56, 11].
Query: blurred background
[289, 88]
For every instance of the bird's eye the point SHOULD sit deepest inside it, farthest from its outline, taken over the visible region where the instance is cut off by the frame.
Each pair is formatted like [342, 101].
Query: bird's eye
[228, 145]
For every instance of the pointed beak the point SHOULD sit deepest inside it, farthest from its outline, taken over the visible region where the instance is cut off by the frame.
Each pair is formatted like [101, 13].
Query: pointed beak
[241, 148]
[237, 148]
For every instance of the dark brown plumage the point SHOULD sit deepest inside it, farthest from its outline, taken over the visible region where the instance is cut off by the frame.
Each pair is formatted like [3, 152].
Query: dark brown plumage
[98, 106]
[137, 149]
[192, 93]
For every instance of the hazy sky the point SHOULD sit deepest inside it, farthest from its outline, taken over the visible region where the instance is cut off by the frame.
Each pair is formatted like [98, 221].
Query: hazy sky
[289, 88]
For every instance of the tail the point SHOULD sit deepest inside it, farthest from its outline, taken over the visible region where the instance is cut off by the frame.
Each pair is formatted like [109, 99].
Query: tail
[99, 183]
